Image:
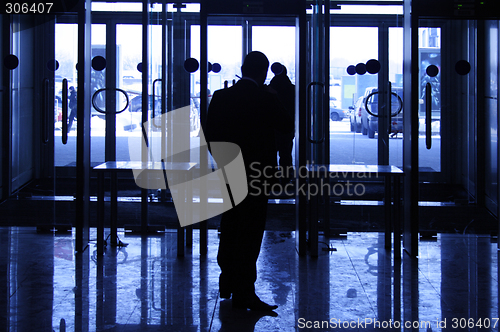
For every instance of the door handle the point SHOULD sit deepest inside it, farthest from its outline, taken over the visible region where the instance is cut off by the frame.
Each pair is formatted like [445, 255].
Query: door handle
[64, 111]
[428, 116]
[45, 111]
[154, 102]
[308, 115]
[393, 114]
[98, 109]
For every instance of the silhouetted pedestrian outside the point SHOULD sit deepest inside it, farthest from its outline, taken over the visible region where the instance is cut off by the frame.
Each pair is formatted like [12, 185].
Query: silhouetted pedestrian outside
[247, 114]
[72, 107]
[284, 141]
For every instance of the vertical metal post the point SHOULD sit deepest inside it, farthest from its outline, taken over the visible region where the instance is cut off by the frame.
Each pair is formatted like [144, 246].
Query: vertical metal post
[145, 280]
[247, 38]
[203, 119]
[145, 106]
[82, 289]
[113, 228]
[100, 214]
[397, 217]
[111, 63]
[166, 81]
[300, 130]
[83, 128]
[326, 199]
[477, 36]
[384, 128]
[110, 137]
[387, 210]
[384, 104]
[411, 124]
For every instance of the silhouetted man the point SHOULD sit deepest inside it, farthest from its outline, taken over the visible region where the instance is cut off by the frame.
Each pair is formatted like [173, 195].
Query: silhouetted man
[72, 106]
[247, 114]
[284, 142]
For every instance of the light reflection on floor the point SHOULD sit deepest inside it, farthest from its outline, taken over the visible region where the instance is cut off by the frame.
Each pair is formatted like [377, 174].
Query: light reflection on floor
[146, 287]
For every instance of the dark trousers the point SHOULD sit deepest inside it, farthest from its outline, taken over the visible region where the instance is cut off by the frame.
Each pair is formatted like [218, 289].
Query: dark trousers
[71, 118]
[242, 229]
[284, 144]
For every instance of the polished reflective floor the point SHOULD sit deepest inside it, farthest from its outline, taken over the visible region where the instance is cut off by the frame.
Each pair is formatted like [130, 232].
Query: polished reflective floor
[146, 287]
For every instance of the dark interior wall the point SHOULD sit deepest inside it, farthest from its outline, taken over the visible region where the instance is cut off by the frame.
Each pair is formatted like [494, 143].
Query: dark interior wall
[22, 110]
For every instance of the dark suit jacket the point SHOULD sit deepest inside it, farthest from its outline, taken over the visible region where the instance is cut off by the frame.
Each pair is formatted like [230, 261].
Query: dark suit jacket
[286, 92]
[250, 116]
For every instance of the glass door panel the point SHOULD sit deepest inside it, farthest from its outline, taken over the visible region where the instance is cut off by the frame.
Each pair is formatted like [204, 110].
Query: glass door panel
[129, 79]
[98, 82]
[443, 91]
[429, 46]
[278, 43]
[349, 139]
[157, 137]
[229, 39]
[224, 48]
[185, 93]
[396, 79]
[66, 54]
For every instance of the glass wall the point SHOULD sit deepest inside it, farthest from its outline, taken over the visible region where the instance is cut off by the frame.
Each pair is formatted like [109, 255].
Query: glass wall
[22, 103]
[224, 48]
[430, 57]
[67, 56]
[350, 46]
[491, 117]
[129, 79]
[396, 79]
[98, 81]
[278, 44]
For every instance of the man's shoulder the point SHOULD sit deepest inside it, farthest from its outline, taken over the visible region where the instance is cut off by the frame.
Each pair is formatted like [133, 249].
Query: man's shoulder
[225, 91]
[240, 88]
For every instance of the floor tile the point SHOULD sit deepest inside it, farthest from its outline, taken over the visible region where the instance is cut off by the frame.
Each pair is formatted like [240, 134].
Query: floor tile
[145, 286]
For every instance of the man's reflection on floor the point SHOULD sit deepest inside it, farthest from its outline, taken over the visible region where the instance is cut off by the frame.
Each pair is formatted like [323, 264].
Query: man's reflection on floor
[241, 320]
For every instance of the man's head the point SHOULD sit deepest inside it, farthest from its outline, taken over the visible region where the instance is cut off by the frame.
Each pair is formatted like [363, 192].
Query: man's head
[255, 66]
[283, 72]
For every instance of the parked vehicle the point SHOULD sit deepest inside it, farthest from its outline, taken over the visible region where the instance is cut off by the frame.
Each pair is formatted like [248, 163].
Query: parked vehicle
[355, 115]
[369, 122]
[135, 114]
[337, 114]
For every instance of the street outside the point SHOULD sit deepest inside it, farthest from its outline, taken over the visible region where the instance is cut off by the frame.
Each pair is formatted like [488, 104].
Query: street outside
[346, 147]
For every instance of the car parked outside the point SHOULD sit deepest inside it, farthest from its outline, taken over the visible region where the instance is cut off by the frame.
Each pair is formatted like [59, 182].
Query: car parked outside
[369, 122]
[135, 109]
[337, 114]
[355, 115]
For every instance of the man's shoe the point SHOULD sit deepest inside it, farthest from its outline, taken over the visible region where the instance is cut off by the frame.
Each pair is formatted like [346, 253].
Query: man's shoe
[253, 303]
[224, 293]
[224, 287]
